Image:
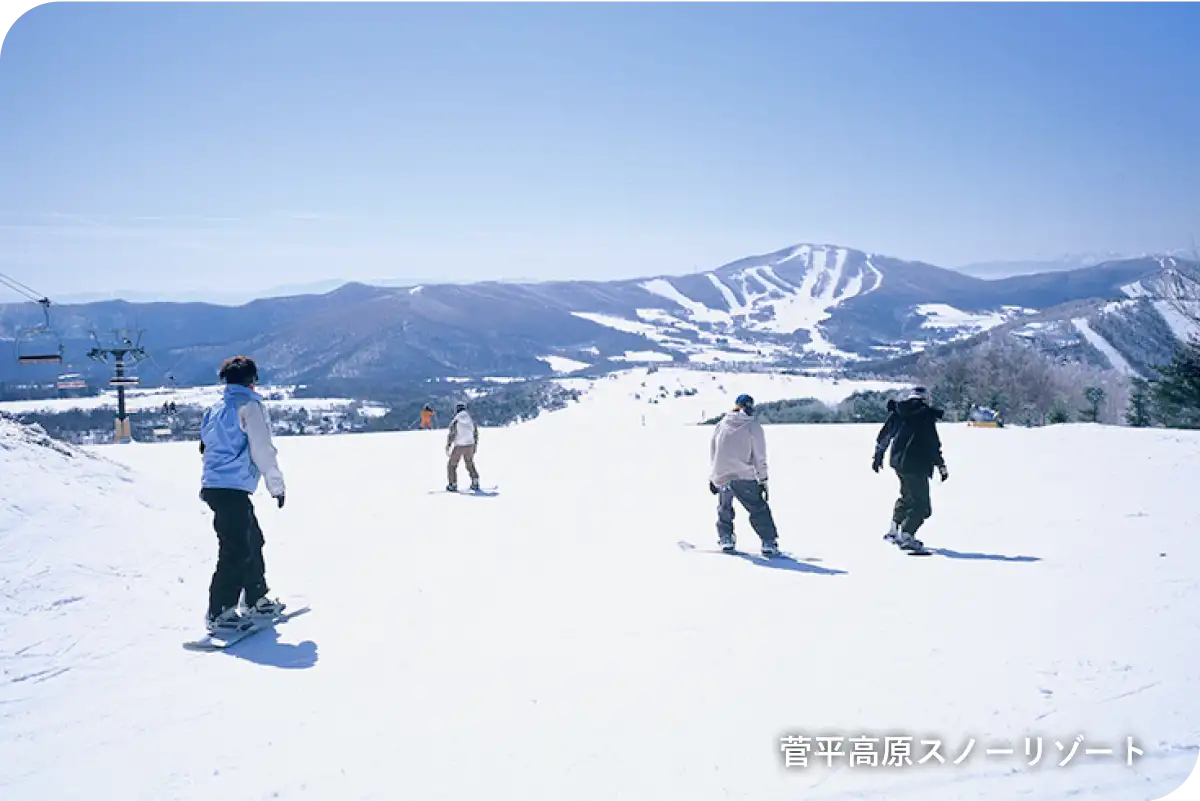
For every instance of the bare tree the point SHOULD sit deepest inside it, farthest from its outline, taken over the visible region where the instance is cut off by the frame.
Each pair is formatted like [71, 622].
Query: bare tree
[1023, 384]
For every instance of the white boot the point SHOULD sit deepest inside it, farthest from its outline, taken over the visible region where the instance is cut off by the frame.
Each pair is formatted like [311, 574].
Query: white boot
[893, 533]
[265, 607]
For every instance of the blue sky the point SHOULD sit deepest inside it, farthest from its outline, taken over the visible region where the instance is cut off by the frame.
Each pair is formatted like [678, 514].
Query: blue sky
[215, 146]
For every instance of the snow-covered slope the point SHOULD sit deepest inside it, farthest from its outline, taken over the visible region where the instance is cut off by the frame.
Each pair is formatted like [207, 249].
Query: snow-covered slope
[733, 312]
[1114, 357]
[674, 396]
[556, 641]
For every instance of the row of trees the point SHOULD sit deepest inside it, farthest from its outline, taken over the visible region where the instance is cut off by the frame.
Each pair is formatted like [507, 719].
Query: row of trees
[1026, 387]
[1023, 384]
[1172, 398]
[861, 407]
[1029, 387]
[496, 406]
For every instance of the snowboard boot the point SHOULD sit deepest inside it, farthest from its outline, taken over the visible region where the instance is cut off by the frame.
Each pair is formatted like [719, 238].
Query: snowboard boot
[266, 608]
[228, 622]
[474, 486]
[770, 549]
[908, 542]
[893, 532]
[728, 546]
[451, 488]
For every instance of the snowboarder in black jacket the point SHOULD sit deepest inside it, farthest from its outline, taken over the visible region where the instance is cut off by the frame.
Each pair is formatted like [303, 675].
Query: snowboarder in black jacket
[911, 430]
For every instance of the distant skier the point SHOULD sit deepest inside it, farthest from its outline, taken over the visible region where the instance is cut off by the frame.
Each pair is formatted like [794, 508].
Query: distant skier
[236, 449]
[461, 442]
[738, 457]
[427, 416]
[911, 431]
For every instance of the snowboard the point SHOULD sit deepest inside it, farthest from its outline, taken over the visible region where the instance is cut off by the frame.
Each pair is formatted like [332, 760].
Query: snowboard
[687, 546]
[482, 492]
[219, 642]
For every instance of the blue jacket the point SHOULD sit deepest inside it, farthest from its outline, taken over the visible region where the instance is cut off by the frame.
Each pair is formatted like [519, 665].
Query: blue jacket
[236, 446]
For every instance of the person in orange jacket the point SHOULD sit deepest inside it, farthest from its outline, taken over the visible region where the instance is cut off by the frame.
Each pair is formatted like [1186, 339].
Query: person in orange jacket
[427, 415]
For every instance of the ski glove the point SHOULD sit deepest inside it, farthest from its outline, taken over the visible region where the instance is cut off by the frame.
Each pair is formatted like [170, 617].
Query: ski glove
[877, 463]
[279, 500]
[713, 488]
[943, 471]
[762, 488]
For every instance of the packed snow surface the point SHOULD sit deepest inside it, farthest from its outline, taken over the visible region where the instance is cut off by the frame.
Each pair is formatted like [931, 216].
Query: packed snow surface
[556, 641]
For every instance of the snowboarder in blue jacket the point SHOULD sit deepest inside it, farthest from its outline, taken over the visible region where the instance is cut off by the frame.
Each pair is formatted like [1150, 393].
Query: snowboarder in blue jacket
[237, 452]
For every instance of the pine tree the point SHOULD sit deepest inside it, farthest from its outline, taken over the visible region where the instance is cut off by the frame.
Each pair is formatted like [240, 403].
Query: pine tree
[1095, 396]
[1176, 393]
[1138, 414]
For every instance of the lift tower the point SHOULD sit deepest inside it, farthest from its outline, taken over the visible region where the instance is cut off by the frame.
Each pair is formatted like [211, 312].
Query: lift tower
[125, 344]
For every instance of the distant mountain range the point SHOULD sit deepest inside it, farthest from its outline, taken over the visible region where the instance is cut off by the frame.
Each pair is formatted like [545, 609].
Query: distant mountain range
[806, 305]
[224, 298]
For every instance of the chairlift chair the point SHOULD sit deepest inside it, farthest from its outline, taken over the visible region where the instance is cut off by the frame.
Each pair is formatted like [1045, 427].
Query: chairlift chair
[39, 344]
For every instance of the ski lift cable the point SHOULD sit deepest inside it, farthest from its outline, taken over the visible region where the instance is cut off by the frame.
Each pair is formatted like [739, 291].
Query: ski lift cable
[34, 345]
[166, 373]
[23, 289]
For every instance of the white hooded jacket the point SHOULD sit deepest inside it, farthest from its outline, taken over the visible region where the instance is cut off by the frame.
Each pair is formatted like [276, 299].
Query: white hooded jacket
[738, 450]
[463, 431]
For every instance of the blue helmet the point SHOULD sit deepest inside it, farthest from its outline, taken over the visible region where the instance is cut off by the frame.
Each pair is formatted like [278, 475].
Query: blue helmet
[745, 403]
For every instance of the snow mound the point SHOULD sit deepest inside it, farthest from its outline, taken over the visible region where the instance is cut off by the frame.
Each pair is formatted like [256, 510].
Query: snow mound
[56, 502]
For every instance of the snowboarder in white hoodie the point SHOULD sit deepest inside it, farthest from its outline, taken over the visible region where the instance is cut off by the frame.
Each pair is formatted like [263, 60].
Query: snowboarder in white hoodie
[738, 456]
[461, 442]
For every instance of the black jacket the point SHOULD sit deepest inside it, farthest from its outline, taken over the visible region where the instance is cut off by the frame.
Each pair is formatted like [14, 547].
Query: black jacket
[911, 430]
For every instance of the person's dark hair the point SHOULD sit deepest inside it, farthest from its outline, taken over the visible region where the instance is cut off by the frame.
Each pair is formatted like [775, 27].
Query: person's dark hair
[239, 370]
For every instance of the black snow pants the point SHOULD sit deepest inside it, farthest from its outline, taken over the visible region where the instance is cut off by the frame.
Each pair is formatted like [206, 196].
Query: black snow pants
[913, 507]
[240, 565]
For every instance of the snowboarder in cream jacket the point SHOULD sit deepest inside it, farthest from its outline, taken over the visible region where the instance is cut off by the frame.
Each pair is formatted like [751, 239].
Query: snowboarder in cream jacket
[461, 443]
[237, 452]
[738, 456]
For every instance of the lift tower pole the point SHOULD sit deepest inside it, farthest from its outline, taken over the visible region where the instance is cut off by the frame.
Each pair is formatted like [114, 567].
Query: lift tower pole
[124, 346]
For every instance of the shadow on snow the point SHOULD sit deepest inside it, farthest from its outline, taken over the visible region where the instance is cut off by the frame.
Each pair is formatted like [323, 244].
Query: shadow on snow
[780, 562]
[265, 648]
[991, 557]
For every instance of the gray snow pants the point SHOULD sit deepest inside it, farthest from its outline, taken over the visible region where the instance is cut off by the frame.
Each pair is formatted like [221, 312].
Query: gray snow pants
[750, 496]
[461, 453]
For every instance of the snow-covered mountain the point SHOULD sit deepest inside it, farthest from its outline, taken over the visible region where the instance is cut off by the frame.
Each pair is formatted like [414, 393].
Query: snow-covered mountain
[802, 306]
[542, 645]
